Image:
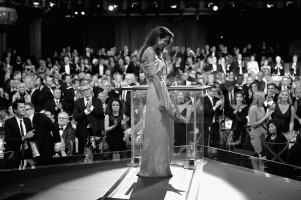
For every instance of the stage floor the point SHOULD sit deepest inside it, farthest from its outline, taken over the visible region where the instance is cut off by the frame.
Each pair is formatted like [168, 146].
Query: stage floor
[217, 181]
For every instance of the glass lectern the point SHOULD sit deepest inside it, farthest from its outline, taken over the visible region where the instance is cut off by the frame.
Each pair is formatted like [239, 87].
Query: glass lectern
[188, 131]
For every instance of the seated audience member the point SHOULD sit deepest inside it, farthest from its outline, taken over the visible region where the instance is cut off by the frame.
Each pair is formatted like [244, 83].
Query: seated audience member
[276, 149]
[67, 134]
[275, 136]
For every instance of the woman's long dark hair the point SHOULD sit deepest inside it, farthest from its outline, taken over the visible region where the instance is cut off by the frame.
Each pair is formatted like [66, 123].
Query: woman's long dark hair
[151, 39]
[109, 110]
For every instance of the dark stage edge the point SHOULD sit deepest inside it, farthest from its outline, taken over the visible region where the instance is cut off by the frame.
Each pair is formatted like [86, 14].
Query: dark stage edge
[217, 181]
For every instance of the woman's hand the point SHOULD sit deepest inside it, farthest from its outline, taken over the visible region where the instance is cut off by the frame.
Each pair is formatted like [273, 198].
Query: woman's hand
[162, 106]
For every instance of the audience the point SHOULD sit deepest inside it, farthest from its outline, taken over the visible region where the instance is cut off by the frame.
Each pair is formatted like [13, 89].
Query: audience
[253, 86]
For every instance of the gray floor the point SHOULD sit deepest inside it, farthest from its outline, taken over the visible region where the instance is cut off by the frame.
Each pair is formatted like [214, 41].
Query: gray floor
[218, 181]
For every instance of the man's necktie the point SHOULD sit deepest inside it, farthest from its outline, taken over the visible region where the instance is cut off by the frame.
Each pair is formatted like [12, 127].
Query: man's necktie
[22, 133]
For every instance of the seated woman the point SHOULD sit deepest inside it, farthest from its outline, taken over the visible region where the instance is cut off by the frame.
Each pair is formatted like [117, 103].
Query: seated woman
[276, 149]
[273, 141]
[238, 113]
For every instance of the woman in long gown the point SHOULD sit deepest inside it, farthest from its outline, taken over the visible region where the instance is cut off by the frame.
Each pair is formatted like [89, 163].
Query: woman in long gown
[159, 122]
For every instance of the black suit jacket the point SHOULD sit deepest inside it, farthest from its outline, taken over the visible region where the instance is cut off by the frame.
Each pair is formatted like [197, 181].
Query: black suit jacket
[13, 135]
[46, 95]
[37, 100]
[235, 67]
[51, 106]
[46, 133]
[209, 113]
[68, 134]
[69, 100]
[298, 68]
[72, 69]
[275, 71]
[96, 117]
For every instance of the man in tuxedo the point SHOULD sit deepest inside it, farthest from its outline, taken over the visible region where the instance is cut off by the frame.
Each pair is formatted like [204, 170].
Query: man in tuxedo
[295, 66]
[212, 111]
[271, 97]
[238, 66]
[88, 112]
[70, 96]
[19, 133]
[46, 132]
[67, 67]
[56, 105]
[67, 134]
[239, 83]
[260, 83]
[47, 92]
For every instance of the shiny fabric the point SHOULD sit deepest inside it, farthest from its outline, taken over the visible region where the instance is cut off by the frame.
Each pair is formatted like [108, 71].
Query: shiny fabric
[158, 132]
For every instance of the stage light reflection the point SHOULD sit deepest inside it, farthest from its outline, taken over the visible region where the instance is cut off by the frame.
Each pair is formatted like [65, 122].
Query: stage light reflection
[210, 184]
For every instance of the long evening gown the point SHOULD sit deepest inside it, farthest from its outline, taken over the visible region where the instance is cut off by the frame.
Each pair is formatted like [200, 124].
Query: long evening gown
[158, 131]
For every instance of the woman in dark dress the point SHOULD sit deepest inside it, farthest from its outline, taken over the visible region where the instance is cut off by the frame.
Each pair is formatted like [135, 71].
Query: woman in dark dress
[238, 113]
[180, 125]
[284, 112]
[114, 119]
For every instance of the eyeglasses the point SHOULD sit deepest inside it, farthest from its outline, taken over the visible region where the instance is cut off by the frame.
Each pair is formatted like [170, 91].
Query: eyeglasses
[86, 90]
[62, 118]
[271, 88]
[27, 109]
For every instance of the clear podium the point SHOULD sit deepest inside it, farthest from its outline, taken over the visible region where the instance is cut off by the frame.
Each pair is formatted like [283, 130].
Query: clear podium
[188, 149]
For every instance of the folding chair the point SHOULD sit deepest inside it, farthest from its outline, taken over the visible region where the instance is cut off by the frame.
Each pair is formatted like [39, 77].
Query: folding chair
[276, 150]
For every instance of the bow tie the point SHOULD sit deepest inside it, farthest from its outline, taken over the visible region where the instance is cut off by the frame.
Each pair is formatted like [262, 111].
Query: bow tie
[61, 129]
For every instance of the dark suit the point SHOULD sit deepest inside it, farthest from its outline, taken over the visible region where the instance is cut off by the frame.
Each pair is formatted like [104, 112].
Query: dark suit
[68, 136]
[13, 137]
[95, 118]
[236, 69]
[46, 95]
[298, 68]
[275, 71]
[51, 106]
[37, 99]
[211, 129]
[69, 99]
[46, 133]
[72, 69]
[209, 67]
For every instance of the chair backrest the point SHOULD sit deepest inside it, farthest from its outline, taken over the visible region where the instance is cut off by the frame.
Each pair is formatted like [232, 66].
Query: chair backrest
[276, 151]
